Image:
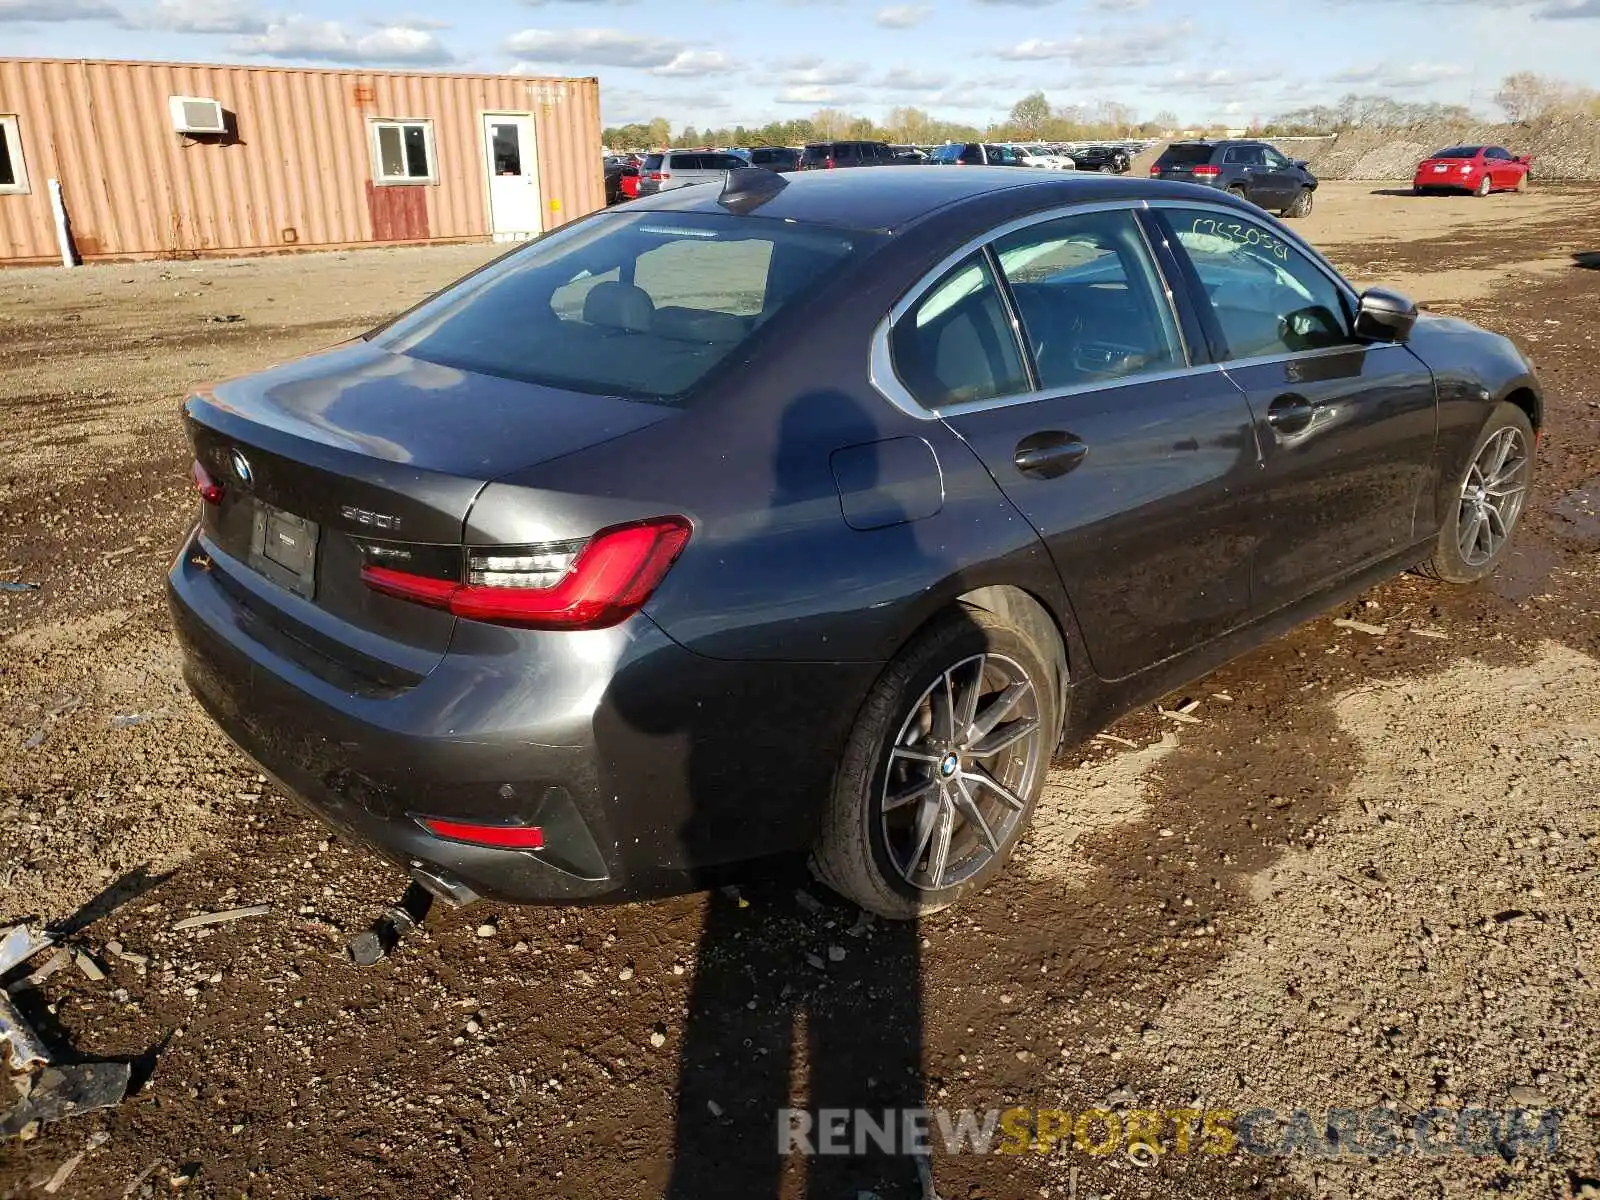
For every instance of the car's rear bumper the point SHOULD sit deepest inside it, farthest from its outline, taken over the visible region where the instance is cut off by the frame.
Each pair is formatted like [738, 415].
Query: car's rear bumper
[642, 762]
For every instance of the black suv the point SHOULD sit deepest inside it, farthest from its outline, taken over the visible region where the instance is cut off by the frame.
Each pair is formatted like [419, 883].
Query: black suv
[1253, 171]
[1108, 160]
[823, 156]
[772, 158]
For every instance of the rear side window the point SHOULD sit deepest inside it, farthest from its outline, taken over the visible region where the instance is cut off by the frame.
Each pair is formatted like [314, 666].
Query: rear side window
[1249, 156]
[1268, 298]
[1181, 155]
[641, 305]
[956, 345]
[817, 154]
[1089, 299]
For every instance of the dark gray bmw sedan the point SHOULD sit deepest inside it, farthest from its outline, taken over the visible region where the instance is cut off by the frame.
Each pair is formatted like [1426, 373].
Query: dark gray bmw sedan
[812, 513]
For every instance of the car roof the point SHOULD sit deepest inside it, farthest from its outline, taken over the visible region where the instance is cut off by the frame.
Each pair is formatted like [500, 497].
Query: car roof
[893, 197]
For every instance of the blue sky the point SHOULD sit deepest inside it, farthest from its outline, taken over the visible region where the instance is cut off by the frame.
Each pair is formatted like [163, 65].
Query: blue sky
[715, 62]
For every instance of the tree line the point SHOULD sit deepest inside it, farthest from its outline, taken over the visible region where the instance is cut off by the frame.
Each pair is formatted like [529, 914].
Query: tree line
[1525, 97]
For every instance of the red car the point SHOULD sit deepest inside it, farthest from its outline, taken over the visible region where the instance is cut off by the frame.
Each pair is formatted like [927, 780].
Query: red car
[1476, 169]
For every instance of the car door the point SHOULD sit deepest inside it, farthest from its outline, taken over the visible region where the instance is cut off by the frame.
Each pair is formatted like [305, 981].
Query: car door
[1136, 470]
[1282, 176]
[1345, 427]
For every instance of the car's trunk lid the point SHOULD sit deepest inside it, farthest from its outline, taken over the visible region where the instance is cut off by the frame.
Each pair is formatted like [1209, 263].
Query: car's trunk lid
[361, 456]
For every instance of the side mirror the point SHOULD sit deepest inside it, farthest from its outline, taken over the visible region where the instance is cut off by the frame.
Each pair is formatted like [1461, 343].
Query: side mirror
[1385, 316]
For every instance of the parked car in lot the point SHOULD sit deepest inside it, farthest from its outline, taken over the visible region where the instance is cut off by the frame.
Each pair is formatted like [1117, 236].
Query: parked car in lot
[1250, 170]
[974, 154]
[771, 158]
[621, 181]
[1107, 160]
[675, 169]
[812, 512]
[1476, 169]
[1043, 156]
[826, 156]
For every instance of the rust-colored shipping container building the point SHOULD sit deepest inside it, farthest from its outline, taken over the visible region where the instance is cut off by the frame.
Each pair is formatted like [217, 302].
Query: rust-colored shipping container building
[171, 160]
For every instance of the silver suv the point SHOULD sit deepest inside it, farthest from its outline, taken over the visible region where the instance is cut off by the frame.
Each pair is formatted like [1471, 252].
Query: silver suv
[685, 168]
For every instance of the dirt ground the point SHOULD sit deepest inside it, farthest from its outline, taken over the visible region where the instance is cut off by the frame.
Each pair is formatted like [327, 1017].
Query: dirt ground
[1365, 875]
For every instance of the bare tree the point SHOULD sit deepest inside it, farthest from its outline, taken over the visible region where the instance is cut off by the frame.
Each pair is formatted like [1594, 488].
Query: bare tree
[830, 123]
[1029, 115]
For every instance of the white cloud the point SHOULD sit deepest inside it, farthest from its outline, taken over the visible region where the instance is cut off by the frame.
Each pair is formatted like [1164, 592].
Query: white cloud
[1570, 10]
[602, 47]
[1391, 76]
[1144, 46]
[198, 16]
[697, 62]
[56, 10]
[909, 79]
[331, 41]
[903, 16]
[1021, 3]
[811, 93]
[1222, 80]
[1122, 5]
[808, 72]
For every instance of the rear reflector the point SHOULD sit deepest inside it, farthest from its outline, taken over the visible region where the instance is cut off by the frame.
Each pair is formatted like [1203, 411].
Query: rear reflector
[1208, 171]
[501, 837]
[210, 490]
[561, 585]
[1155, 170]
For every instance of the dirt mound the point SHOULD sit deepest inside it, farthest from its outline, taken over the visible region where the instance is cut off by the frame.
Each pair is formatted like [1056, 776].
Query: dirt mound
[1563, 146]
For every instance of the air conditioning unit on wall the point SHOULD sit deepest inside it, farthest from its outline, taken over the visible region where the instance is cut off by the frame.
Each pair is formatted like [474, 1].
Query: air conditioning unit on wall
[196, 114]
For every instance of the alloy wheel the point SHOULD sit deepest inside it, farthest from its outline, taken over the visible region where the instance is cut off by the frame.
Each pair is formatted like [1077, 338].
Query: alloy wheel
[1492, 496]
[960, 769]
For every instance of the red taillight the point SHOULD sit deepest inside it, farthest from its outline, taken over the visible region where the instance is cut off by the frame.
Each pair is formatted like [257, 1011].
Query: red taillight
[828, 163]
[600, 583]
[1155, 170]
[210, 490]
[656, 175]
[1208, 171]
[501, 837]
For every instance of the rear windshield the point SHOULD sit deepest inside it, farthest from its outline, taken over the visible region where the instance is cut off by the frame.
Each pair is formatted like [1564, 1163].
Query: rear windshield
[641, 305]
[1459, 152]
[947, 153]
[652, 162]
[1179, 156]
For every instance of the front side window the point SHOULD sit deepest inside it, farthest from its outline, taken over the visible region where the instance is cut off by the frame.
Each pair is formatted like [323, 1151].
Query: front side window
[642, 305]
[1091, 303]
[1269, 298]
[1275, 160]
[955, 344]
[403, 151]
[13, 174]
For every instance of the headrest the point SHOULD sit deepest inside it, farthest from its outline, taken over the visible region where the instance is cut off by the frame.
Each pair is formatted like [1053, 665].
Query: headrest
[617, 305]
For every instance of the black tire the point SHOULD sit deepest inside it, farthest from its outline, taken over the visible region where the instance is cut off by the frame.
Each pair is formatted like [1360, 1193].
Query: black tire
[1302, 204]
[1448, 561]
[1109, 168]
[1485, 186]
[851, 854]
[1421, 191]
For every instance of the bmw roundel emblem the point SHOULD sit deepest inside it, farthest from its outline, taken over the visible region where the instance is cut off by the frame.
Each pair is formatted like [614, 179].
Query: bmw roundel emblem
[241, 466]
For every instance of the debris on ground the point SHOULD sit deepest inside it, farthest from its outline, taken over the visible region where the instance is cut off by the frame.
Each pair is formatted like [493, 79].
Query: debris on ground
[23, 1046]
[67, 1091]
[14, 585]
[87, 965]
[221, 918]
[1361, 626]
[19, 944]
[1181, 717]
[375, 942]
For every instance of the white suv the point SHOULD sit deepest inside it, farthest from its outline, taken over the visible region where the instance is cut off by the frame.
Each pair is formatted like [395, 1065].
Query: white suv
[684, 168]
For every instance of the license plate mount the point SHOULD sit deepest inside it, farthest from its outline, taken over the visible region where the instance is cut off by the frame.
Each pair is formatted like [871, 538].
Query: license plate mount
[283, 547]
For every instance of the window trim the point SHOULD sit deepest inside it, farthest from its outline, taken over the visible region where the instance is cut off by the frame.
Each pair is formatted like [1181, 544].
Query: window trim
[880, 368]
[379, 179]
[11, 126]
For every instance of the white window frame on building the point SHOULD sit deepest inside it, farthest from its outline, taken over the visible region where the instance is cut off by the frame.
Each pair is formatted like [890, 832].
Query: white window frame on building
[19, 168]
[381, 177]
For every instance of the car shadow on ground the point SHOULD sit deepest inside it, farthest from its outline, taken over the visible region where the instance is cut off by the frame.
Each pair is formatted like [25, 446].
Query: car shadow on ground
[1587, 258]
[789, 1017]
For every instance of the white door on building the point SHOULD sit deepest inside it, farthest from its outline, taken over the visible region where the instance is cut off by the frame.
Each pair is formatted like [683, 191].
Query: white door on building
[509, 148]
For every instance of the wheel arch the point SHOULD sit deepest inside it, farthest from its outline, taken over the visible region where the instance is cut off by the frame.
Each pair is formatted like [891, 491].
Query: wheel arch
[1527, 398]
